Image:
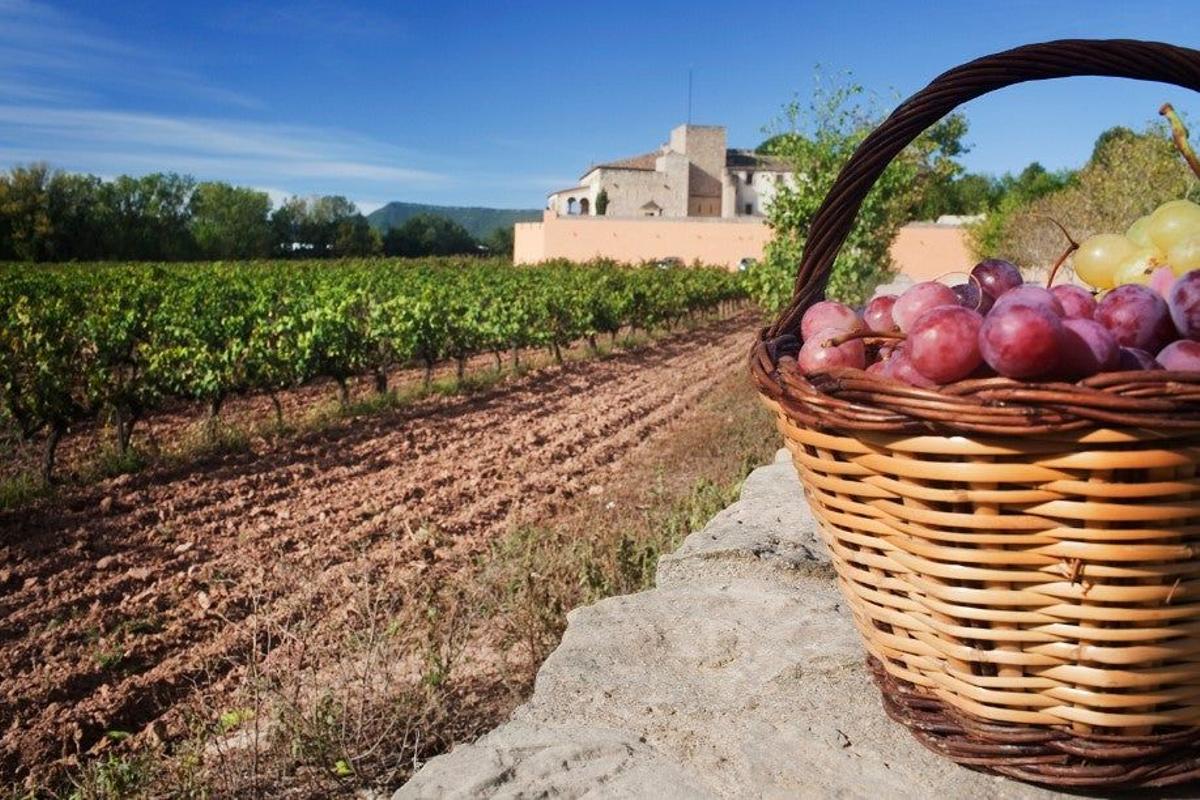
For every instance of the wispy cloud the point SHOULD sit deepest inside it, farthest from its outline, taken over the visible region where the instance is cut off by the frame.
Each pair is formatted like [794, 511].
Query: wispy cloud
[49, 55]
[58, 76]
[230, 149]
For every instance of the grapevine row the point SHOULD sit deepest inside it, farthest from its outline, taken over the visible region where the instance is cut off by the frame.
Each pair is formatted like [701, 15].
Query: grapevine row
[81, 342]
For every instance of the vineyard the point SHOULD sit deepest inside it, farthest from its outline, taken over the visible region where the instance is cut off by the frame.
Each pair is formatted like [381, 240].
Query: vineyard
[114, 342]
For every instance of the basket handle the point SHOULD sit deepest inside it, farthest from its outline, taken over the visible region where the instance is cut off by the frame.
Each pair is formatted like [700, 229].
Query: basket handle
[1118, 58]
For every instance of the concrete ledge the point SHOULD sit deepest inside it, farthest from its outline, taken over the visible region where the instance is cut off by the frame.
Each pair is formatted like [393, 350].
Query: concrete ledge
[739, 675]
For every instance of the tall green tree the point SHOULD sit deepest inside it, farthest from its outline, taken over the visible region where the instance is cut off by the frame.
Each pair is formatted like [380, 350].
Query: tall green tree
[817, 139]
[354, 236]
[429, 235]
[150, 217]
[311, 226]
[500, 241]
[25, 208]
[230, 222]
[79, 216]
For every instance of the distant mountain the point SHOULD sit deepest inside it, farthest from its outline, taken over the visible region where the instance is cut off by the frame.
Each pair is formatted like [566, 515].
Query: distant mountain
[479, 222]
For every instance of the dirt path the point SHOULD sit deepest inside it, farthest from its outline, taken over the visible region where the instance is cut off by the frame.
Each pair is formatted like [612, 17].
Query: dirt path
[115, 600]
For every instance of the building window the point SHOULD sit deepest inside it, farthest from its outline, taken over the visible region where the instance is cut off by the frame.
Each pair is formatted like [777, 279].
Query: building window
[749, 178]
[584, 207]
[749, 208]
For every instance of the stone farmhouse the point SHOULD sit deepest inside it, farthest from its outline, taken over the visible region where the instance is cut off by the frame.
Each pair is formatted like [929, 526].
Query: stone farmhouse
[695, 199]
[693, 175]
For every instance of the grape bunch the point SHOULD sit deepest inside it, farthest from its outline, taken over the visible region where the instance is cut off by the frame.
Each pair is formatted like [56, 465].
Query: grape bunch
[1145, 316]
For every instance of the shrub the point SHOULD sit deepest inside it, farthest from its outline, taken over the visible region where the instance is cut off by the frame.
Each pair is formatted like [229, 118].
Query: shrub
[1128, 175]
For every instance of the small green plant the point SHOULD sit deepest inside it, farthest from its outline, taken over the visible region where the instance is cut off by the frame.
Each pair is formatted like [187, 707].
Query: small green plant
[114, 778]
[21, 490]
[110, 657]
[233, 718]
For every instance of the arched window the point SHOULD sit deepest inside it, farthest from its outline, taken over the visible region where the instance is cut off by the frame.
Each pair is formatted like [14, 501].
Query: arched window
[571, 209]
[584, 207]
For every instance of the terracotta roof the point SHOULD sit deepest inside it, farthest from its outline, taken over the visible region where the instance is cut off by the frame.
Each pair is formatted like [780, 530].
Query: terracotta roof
[568, 189]
[643, 163]
[748, 159]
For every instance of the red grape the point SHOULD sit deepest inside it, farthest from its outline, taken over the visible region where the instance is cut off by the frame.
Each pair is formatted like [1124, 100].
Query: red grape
[1021, 341]
[1184, 302]
[827, 315]
[900, 368]
[877, 368]
[1088, 348]
[970, 296]
[878, 313]
[943, 344]
[1137, 317]
[1161, 280]
[816, 355]
[1077, 302]
[996, 276]
[919, 298]
[1028, 294]
[1130, 358]
[1183, 355]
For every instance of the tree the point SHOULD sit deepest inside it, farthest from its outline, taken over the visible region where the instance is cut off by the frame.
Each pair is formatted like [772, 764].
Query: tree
[79, 217]
[428, 235]
[230, 222]
[150, 217]
[286, 224]
[25, 207]
[310, 226]
[817, 141]
[500, 241]
[354, 236]
[602, 202]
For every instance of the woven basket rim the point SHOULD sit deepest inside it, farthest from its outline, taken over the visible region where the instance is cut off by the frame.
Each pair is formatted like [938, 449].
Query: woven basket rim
[852, 400]
[855, 400]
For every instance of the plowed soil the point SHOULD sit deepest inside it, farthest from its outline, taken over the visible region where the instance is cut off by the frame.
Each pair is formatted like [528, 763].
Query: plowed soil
[116, 599]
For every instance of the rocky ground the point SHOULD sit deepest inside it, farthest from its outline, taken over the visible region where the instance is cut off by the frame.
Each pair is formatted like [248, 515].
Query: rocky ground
[739, 675]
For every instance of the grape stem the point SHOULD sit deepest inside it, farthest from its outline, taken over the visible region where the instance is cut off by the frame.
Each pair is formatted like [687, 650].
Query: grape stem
[1072, 246]
[852, 335]
[1179, 135]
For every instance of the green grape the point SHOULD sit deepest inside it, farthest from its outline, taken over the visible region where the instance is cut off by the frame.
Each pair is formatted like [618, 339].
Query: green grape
[1139, 232]
[1137, 267]
[1172, 222]
[1099, 257]
[1184, 255]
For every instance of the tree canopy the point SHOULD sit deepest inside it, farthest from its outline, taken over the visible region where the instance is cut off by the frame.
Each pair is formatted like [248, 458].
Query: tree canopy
[429, 234]
[51, 215]
[817, 139]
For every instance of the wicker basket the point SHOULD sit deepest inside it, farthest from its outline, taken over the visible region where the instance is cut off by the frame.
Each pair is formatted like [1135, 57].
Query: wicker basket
[1021, 559]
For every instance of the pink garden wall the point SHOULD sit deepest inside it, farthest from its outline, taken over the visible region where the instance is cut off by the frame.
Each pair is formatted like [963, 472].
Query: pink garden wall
[921, 250]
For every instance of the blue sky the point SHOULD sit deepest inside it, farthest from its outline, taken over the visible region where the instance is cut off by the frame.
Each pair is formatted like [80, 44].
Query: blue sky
[497, 103]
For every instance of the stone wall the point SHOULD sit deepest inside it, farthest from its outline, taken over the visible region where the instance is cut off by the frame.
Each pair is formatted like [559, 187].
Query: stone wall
[739, 675]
